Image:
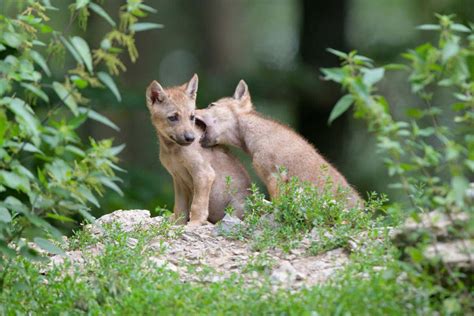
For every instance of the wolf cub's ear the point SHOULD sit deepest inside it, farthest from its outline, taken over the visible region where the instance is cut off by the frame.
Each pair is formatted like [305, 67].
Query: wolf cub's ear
[242, 91]
[155, 93]
[192, 87]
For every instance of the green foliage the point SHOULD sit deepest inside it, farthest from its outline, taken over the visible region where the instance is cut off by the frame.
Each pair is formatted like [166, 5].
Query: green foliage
[121, 280]
[48, 175]
[431, 152]
[302, 209]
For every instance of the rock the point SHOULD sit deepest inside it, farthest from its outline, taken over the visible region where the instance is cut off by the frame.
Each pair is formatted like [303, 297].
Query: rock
[127, 220]
[286, 274]
[227, 225]
[458, 253]
[433, 223]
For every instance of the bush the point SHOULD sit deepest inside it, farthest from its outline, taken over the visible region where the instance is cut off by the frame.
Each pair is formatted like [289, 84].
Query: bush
[48, 174]
[432, 152]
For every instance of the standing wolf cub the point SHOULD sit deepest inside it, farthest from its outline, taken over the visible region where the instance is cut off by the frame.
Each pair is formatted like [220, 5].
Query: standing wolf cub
[201, 189]
[271, 145]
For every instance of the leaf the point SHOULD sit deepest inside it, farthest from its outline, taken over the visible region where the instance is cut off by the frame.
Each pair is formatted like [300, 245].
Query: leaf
[40, 93]
[372, 76]
[5, 215]
[38, 58]
[85, 213]
[66, 97]
[99, 118]
[14, 181]
[81, 3]
[24, 116]
[83, 49]
[460, 28]
[460, 185]
[114, 151]
[429, 27]
[71, 49]
[12, 39]
[147, 8]
[48, 246]
[138, 27]
[451, 48]
[337, 52]
[333, 74]
[111, 185]
[88, 195]
[100, 11]
[341, 106]
[109, 82]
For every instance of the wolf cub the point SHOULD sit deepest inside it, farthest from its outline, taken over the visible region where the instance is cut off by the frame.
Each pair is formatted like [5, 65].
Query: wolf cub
[200, 175]
[271, 145]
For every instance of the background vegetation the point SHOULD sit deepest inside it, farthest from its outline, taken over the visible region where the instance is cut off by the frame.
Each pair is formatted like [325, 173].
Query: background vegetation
[57, 84]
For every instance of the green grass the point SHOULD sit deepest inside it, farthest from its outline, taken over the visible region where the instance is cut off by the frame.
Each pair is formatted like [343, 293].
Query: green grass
[120, 281]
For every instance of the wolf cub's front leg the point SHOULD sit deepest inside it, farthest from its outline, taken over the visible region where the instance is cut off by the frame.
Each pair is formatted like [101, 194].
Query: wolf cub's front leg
[181, 204]
[203, 178]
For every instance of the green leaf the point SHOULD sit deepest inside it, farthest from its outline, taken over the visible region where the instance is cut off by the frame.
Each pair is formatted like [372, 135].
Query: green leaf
[81, 3]
[71, 49]
[372, 76]
[109, 82]
[24, 116]
[333, 74]
[48, 246]
[111, 185]
[114, 151]
[38, 58]
[451, 48]
[14, 181]
[100, 11]
[5, 215]
[460, 28]
[12, 39]
[88, 195]
[82, 48]
[138, 27]
[429, 27]
[66, 97]
[341, 106]
[99, 118]
[40, 93]
[337, 53]
[460, 185]
[147, 8]
[85, 213]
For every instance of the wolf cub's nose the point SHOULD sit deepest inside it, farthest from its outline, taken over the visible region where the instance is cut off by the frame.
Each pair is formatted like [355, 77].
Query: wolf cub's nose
[189, 137]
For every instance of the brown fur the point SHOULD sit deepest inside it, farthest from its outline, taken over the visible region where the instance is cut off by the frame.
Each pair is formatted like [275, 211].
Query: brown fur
[233, 121]
[199, 174]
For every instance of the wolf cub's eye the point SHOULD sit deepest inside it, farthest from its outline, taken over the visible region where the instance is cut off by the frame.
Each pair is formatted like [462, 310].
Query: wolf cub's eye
[173, 118]
[211, 105]
[192, 117]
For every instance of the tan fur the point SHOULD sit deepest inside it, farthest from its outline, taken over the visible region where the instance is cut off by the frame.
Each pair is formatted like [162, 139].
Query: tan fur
[232, 121]
[199, 174]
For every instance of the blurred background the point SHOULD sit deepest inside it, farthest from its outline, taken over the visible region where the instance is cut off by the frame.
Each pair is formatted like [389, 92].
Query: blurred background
[278, 47]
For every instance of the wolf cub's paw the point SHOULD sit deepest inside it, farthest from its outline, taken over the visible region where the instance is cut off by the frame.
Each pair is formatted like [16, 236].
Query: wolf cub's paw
[196, 223]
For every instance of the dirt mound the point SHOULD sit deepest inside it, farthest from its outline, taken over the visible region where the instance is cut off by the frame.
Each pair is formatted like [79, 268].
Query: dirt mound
[204, 249]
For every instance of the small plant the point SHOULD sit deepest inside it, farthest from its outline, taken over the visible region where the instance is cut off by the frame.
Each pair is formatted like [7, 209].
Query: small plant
[303, 208]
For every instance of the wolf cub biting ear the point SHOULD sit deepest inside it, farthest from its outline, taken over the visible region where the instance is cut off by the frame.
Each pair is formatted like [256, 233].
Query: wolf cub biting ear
[199, 174]
[233, 121]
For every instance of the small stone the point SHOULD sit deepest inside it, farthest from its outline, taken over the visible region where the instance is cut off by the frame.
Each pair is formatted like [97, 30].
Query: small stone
[227, 225]
[285, 273]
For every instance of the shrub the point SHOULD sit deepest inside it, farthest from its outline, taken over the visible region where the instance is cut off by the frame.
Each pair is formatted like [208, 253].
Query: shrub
[48, 175]
[431, 153]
